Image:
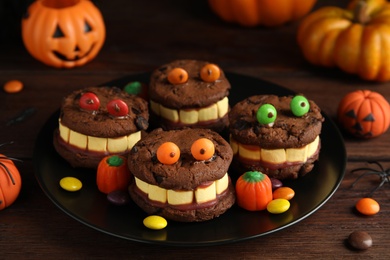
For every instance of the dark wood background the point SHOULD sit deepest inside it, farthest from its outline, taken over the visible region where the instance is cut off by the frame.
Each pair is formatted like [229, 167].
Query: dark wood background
[142, 35]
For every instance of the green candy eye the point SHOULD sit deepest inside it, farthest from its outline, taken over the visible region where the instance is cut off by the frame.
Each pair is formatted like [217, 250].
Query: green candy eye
[266, 114]
[299, 105]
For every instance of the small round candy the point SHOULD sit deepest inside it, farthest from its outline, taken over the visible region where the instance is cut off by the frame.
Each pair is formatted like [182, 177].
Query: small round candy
[155, 222]
[283, 193]
[71, 184]
[276, 183]
[266, 114]
[13, 86]
[168, 153]
[360, 240]
[367, 206]
[117, 107]
[278, 206]
[299, 105]
[118, 197]
[178, 76]
[210, 73]
[134, 87]
[89, 101]
[202, 149]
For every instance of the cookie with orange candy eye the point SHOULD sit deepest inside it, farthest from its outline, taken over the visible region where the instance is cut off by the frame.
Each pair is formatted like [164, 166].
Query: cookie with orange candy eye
[98, 121]
[182, 175]
[278, 136]
[189, 93]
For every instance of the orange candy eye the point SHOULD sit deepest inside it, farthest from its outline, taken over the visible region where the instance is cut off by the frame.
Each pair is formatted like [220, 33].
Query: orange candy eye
[202, 149]
[210, 73]
[178, 76]
[168, 153]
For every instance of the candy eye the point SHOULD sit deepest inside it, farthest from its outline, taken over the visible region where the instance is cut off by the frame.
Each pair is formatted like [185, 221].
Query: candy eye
[266, 114]
[89, 101]
[168, 153]
[202, 149]
[299, 105]
[117, 107]
[210, 73]
[178, 76]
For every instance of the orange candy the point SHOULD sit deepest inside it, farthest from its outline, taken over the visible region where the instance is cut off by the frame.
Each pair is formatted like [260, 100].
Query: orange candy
[283, 193]
[178, 76]
[367, 206]
[168, 153]
[202, 149]
[13, 86]
[210, 73]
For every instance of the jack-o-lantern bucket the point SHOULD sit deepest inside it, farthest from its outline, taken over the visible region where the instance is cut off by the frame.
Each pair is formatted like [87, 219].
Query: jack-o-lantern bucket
[63, 33]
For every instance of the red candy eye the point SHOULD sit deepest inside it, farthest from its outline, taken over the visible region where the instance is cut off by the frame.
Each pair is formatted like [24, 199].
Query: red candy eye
[89, 101]
[117, 107]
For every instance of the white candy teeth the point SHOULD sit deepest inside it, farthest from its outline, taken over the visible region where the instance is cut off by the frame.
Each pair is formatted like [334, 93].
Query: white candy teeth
[98, 144]
[202, 194]
[192, 116]
[275, 156]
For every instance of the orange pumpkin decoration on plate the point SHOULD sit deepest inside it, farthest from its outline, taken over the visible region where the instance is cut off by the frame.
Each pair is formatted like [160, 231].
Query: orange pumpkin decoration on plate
[253, 191]
[113, 174]
[261, 12]
[10, 182]
[364, 113]
[355, 39]
[63, 33]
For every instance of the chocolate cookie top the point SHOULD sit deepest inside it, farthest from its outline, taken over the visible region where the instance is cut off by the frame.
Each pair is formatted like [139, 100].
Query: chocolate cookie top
[287, 131]
[193, 93]
[99, 122]
[187, 173]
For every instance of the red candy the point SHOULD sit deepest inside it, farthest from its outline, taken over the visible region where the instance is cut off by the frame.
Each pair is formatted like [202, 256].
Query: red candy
[117, 107]
[89, 101]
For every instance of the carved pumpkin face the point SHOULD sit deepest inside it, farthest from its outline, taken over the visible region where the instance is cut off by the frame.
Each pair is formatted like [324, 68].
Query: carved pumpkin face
[63, 33]
[364, 113]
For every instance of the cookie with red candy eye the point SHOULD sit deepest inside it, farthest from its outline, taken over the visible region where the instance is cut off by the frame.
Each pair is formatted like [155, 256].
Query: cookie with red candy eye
[276, 135]
[182, 175]
[189, 93]
[98, 121]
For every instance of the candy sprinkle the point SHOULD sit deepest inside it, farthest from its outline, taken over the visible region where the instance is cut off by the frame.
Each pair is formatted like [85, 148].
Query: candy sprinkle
[71, 184]
[13, 86]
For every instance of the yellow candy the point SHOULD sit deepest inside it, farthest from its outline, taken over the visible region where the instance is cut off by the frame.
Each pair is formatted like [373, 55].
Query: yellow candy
[278, 206]
[70, 184]
[155, 222]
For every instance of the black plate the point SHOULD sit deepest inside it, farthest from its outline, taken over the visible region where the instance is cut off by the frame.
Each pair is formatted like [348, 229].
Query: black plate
[91, 207]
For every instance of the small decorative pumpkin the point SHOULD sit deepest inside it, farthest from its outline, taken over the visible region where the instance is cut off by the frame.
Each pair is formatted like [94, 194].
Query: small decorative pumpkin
[355, 39]
[63, 33]
[113, 174]
[364, 113]
[253, 191]
[10, 182]
[268, 13]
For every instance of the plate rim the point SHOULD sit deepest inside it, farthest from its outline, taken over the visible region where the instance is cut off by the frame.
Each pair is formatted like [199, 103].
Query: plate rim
[328, 123]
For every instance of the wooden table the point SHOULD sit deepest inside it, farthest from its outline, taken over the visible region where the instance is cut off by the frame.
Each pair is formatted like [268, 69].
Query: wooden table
[142, 35]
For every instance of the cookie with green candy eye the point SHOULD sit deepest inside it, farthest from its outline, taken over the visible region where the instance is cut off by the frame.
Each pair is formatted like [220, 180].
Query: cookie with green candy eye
[276, 135]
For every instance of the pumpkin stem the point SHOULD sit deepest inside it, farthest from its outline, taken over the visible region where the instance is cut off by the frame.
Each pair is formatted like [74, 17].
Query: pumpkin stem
[253, 176]
[115, 161]
[360, 12]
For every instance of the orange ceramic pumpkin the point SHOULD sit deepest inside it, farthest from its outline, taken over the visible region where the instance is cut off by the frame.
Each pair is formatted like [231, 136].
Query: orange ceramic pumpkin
[63, 33]
[364, 113]
[355, 39]
[10, 182]
[113, 174]
[253, 191]
[261, 12]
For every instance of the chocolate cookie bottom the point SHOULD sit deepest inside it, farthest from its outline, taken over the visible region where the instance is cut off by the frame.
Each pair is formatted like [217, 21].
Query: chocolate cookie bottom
[221, 205]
